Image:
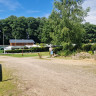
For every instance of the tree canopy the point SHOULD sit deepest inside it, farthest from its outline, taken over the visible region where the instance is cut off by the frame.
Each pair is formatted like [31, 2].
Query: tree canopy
[66, 21]
[63, 25]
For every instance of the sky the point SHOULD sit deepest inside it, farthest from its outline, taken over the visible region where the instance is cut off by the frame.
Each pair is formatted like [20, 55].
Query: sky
[39, 8]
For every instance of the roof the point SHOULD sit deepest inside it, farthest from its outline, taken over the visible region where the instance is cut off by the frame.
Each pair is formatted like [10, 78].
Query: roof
[21, 41]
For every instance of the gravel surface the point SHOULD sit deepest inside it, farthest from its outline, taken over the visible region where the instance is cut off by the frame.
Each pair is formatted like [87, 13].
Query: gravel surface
[53, 77]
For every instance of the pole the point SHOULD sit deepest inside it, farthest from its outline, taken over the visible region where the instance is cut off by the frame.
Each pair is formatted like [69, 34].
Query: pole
[0, 72]
[22, 51]
[3, 39]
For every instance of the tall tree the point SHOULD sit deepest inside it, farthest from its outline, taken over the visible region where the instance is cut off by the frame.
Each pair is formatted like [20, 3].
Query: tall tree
[66, 20]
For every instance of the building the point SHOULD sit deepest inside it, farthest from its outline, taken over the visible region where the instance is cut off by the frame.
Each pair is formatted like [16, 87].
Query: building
[21, 42]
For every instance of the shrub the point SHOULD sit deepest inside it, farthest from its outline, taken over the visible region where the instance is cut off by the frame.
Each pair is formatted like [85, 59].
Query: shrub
[56, 49]
[93, 47]
[42, 44]
[90, 52]
[67, 46]
[86, 47]
[64, 53]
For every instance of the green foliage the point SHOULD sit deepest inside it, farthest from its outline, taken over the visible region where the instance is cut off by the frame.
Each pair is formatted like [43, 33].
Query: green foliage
[46, 30]
[33, 49]
[42, 44]
[67, 46]
[64, 53]
[1, 51]
[93, 47]
[27, 54]
[86, 47]
[21, 28]
[56, 49]
[90, 33]
[90, 52]
[66, 21]
[8, 87]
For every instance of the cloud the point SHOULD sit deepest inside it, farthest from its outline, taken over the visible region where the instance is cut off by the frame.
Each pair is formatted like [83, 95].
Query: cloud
[31, 11]
[10, 4]
[92, 14]
[91, 18]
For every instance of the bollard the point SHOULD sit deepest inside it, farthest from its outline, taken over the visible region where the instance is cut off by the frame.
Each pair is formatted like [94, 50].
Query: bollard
[0, 72]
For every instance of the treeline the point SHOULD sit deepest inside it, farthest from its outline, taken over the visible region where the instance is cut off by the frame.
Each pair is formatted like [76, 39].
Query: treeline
[21, 28]
[63, 25]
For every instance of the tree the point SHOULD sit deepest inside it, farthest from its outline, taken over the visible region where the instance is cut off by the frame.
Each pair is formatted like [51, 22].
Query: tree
[90, 35]
[46, 29]
[66, 20]
[19, 28]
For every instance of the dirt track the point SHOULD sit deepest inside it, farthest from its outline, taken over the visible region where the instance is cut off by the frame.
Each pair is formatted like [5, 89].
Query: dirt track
[54, 77]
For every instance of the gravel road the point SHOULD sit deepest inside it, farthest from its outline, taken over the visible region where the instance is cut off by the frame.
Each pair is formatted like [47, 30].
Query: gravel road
[53, 77]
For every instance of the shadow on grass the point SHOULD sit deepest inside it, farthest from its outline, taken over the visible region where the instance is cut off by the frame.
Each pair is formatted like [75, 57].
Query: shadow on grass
[7, 80]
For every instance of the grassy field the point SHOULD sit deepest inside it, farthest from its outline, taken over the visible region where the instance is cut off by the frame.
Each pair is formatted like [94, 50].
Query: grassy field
[27, 54]
[7, 86]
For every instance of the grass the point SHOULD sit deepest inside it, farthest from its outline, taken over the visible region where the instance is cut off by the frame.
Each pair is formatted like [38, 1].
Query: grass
[7, 86]
[27, 54]
[1, 51]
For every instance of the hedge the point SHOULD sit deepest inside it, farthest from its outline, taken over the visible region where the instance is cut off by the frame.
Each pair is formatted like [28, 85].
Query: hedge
[34, 49]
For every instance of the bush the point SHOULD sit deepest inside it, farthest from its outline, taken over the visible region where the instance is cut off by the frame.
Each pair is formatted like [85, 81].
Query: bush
[90, 52]
[42, 44]
[93, 47]
[86, 47]
[34, 49]
[64, 53]
[64, 50]
[56, 49]
[67, 46]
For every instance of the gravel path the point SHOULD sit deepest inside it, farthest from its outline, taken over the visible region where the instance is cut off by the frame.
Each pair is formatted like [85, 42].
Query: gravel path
[53, 77]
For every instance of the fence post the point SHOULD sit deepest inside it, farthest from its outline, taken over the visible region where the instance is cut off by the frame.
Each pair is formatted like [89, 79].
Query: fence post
[0, 72]
[39, 55]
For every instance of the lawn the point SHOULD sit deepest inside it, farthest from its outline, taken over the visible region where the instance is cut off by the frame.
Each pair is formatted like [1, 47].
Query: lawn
[7, 86]
[27, 54]
[1, 51]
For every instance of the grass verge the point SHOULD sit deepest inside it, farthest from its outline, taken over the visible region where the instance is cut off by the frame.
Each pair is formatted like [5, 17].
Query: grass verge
[27, 54]
[1, 51]
[8, 86]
